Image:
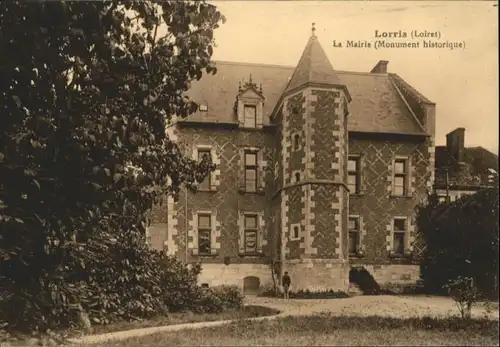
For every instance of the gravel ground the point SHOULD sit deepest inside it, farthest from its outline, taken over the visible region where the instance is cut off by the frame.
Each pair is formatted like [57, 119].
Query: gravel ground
[380, 305]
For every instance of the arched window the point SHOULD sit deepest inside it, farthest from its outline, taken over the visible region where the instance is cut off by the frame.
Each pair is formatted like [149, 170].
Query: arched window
[297, 177]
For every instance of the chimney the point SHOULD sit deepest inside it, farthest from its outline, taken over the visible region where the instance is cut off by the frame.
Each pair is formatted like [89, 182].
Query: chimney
[455, 144]
[381, 67]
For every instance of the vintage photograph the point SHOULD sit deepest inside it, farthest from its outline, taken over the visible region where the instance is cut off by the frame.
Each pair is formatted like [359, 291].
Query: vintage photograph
[249, 173]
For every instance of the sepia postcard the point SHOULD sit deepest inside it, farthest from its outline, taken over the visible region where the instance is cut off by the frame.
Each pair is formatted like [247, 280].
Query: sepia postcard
[249, 173]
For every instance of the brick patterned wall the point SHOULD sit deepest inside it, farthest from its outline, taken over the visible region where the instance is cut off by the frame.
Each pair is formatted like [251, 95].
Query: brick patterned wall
[277, 151]
[376, 205]
[326, 224]
[318, 116]
[227, 201]
[295, 124]
[309, 227]
[328, 149]
[295, 216]
[325, 135]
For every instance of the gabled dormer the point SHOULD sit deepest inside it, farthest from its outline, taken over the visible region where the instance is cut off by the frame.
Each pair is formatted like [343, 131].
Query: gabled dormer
[249, 105]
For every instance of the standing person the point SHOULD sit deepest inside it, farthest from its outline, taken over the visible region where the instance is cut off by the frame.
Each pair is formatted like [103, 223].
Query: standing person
[286, 284]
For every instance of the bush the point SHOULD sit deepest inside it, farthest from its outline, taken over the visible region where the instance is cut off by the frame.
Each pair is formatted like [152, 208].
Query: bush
[103, 282]
[219, 299]
[464, 293]
[306, 294]
[179, 284]
[323, 294]
[269, 292]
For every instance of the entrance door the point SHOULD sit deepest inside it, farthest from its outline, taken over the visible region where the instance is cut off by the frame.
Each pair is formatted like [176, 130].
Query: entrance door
[251, 285]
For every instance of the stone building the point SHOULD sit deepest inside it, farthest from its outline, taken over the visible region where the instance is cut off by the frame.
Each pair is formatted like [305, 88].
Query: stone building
[463, 170]
[318, 170]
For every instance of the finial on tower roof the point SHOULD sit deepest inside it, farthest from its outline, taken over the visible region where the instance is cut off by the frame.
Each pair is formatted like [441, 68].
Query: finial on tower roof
[250, 78]
[313, 29]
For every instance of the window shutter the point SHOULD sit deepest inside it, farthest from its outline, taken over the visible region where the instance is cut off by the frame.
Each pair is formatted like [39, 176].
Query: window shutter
[215, 175]
[241, 169]
[260, 236]
[241, 227]
[213, 234]
[261, 176]
[194, 250]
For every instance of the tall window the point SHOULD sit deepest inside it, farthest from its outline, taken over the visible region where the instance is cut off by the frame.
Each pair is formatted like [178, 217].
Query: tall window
[399, 231]
[400, 177]
[296, 142]
[250, 171]
[354, 235]
[204, 232]
[205, 185]
[353, 175]
[250, 119]
[295, 232]
[251, 232]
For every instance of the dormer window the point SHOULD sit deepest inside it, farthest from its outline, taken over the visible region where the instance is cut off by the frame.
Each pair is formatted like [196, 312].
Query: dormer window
[249, 106]
[250, 116]
[203, 108]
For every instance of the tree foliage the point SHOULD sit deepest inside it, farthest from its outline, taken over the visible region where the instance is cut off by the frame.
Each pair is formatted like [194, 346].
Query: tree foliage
[461, 240]
[87, 89]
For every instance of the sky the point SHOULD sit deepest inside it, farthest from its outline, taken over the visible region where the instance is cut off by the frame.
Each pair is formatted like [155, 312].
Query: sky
[462, 82]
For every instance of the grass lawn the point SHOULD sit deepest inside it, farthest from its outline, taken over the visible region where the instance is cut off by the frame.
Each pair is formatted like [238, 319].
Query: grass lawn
[250, 311]
[322, 330]
[187, 317]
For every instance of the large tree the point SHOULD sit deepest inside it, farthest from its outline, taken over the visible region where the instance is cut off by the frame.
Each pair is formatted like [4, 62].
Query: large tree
[87, 89]
[461, 239]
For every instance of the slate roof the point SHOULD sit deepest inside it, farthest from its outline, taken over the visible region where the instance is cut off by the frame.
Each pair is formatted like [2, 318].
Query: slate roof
[377, 106]
[313, 67]
[473, 172]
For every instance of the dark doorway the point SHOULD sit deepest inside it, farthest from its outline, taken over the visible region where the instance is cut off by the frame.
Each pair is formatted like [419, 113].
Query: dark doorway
[251, 285]
[364, 280]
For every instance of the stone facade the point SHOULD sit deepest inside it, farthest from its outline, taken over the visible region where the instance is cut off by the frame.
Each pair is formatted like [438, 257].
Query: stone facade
[299, 214]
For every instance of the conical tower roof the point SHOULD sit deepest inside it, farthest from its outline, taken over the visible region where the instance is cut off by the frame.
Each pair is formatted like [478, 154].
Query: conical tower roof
[313, 67]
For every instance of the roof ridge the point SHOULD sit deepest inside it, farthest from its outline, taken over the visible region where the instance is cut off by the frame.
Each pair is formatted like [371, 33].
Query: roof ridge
[290, 67]
[346, 72]
[419, 95]
[402, 97]
[238, 63]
